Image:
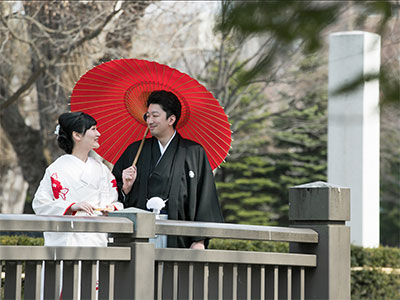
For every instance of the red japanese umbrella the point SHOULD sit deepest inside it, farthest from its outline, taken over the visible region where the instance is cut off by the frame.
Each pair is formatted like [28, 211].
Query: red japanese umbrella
[115, 94]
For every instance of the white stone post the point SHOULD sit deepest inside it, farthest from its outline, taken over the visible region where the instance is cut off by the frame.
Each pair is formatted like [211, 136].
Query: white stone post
[353, 129]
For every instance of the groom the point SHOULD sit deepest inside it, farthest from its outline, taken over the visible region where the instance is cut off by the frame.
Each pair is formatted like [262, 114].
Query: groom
[169, 167]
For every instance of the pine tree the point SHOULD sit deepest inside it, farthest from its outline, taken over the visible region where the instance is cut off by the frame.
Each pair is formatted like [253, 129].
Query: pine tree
[244, 191]
[297, 146]
[243, 182]
[390, 175]
[300, 139]
[253, 187]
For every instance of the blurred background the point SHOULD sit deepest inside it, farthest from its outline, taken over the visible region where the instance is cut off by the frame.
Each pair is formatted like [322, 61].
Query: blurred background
[266, 62]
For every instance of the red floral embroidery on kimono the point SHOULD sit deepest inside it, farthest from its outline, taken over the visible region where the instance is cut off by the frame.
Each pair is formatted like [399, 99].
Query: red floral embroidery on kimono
[58, 189]
[114, 184]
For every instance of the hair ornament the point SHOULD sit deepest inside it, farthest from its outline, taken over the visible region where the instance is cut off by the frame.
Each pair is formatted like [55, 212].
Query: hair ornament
[57, 131]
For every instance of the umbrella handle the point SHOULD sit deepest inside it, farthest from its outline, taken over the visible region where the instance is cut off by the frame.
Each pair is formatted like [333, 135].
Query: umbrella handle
[140, 147]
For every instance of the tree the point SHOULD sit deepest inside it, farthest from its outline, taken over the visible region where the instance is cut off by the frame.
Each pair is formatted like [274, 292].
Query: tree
[305, 22]
[390, 175]
[267, 134]
[299, 143]
[254, 186]
[45, 47]
[243, 181]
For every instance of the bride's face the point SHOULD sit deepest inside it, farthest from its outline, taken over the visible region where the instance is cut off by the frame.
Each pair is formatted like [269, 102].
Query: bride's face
[90, 139]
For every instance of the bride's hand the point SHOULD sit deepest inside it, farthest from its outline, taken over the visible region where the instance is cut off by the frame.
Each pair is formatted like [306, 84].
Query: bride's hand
[83, 206]
[108, 208]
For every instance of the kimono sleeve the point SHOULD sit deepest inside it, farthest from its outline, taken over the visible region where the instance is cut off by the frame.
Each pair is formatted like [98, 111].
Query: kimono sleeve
[113, 190]
[202, 195]
[207, 205]
[45, 202]
[122, 163]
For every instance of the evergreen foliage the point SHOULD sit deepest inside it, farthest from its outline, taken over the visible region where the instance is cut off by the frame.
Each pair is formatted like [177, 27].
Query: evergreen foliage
[300, 140]
[257, 246]
[20, 240]
[305, 23]
[375, 257]
[253, 186]
[390, 175]
[245, 192]
[291, 24]
[390, 223]
[374, 284]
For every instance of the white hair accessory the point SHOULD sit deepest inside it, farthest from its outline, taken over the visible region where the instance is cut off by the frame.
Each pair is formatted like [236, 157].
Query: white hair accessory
[57, 131]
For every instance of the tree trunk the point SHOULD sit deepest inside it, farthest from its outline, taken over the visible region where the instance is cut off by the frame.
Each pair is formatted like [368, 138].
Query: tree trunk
[27, 146]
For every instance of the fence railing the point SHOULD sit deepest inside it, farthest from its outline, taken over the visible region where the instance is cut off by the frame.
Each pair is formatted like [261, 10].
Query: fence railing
[317, 267]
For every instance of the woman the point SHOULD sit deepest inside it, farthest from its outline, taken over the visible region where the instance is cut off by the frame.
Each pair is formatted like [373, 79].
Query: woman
[76, 184]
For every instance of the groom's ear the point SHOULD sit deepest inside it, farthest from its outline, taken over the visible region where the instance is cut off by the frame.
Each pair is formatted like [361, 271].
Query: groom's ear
[171, 119]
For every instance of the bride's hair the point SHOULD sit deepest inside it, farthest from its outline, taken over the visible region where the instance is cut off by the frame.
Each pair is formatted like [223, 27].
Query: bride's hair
[69, 122]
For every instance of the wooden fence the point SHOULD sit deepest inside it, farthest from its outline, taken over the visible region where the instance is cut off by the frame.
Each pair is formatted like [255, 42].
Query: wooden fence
[317, 267]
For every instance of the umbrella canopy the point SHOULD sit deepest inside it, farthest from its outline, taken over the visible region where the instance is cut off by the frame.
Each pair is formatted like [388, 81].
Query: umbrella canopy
[115, 94]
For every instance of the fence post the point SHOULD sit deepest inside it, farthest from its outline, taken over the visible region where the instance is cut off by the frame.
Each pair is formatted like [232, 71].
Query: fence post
[135, 279]
[325, 208]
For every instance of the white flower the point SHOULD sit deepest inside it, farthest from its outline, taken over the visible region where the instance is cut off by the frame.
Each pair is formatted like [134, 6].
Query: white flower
[57, 131]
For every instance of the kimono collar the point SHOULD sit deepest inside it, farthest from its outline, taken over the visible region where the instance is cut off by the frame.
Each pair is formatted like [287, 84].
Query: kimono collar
[163, 149]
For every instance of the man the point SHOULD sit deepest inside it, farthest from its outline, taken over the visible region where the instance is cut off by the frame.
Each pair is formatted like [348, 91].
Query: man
[169, 167]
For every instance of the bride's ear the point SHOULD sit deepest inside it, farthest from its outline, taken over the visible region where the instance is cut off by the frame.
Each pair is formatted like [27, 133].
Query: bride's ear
[76, 136]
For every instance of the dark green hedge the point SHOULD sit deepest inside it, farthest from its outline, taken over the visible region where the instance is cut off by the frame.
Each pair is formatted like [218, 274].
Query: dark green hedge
[372, 282]
[249, 245]
[375, 284]
[20, 240]
[375, 257]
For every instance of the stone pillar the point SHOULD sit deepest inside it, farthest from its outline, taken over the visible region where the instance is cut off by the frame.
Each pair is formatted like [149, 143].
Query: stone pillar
[324, 208]
[353, 129]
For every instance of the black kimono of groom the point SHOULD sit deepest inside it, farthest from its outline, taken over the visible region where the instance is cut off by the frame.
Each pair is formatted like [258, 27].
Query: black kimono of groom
[183, 176]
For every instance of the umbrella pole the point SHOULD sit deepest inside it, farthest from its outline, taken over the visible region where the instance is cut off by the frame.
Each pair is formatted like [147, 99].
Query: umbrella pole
[140, 147]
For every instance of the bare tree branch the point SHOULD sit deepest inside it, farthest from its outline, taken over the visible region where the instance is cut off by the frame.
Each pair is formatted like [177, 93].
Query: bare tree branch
[34, 76]
[15, 36]
[63, 53]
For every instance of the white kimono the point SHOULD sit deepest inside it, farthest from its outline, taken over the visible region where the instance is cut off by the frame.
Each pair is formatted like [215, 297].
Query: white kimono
[67, 181]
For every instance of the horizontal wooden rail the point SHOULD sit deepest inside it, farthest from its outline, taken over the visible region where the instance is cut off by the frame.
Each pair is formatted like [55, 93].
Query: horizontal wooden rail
[237, 257]
[64, 253]
[123, 225]
[35, 223]
[236, 231]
